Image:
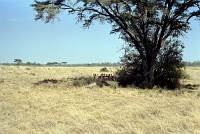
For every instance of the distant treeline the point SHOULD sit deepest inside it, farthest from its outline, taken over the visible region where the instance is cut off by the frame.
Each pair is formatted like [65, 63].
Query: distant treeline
[84, 64]
[195, 63]
[95, 64]
[64, 64]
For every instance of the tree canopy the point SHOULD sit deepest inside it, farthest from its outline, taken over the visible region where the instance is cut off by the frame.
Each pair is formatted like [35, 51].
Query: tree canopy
[145, 25]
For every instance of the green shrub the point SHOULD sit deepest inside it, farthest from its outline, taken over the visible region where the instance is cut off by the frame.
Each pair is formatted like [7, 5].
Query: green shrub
[104, 69]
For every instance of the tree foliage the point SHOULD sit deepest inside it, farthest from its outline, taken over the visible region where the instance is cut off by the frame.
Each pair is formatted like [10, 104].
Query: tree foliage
[145, 25]
[18, 61]
[167, 68]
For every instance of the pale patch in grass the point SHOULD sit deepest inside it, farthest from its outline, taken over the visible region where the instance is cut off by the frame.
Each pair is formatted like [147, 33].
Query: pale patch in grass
[59, 108]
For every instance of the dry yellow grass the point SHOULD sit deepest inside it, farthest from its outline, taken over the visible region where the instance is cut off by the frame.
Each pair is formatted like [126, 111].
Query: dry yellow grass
[26, 108]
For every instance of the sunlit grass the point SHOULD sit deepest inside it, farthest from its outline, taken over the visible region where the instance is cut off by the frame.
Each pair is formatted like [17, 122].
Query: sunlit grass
[60, 108]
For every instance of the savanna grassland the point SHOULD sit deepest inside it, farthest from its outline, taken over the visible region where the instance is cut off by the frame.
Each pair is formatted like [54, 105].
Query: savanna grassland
[29, 106]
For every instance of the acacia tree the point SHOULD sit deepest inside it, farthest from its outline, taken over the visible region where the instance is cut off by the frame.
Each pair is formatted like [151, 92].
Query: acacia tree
[145, 25]
[18, 61]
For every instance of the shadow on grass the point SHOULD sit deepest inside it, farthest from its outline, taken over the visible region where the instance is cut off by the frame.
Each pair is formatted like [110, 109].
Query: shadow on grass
[191, 86]
[48, 81]
[87, 81]
[78, 82]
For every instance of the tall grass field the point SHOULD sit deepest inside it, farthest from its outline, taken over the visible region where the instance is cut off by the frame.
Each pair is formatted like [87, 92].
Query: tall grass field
[44, 100]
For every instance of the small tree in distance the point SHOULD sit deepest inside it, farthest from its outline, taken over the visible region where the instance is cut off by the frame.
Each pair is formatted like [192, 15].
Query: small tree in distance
[145, 25]
[18, 61]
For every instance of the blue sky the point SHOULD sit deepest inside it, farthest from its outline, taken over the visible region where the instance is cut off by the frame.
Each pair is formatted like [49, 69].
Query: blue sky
[65, 40]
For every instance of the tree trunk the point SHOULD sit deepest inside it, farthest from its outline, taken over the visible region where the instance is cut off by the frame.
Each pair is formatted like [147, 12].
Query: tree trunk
[148, 72]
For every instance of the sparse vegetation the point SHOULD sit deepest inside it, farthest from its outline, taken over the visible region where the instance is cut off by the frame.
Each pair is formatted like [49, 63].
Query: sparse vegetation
[82, 81]
[192, 64]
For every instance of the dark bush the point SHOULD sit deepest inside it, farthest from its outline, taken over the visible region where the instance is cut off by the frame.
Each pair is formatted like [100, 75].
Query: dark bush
[167, 68]
[104, 69]
[168, 71]
[131, 72]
